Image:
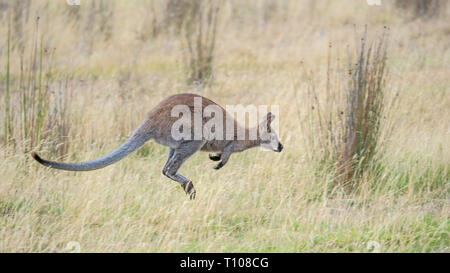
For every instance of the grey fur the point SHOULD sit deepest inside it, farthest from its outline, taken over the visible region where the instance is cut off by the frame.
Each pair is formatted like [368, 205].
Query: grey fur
[176, 158]
[126, 148]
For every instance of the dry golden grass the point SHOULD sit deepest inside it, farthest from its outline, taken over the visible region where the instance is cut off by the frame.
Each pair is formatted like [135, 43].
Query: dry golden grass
[260, 201]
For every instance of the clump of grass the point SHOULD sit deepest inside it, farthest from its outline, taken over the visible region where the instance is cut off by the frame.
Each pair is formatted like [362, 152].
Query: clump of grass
[421, 8]
[17, 16]
[176, 12]
[35, 98]
[345, 124]
[151, 26]
[200, 29]
[29, 118]
[364, 110]
[20, 15]
[164, 17]
[97, 20]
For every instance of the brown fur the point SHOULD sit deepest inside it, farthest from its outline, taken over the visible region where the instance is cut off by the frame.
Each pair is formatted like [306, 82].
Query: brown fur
[158, 125]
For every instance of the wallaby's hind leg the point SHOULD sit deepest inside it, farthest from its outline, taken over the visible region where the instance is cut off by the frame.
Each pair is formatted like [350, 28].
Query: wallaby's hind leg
[171, 152]
[176, 158]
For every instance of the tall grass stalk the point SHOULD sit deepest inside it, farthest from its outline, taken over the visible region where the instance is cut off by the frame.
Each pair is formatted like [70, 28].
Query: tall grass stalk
[8, 127]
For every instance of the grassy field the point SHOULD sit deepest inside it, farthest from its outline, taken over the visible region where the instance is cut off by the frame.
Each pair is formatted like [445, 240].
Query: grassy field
[104, 66]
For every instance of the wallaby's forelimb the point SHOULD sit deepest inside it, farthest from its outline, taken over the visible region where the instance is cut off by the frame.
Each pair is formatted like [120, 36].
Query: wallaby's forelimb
[225, 155]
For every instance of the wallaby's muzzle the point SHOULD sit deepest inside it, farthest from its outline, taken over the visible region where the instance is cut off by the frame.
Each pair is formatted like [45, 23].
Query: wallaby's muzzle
[280, 147]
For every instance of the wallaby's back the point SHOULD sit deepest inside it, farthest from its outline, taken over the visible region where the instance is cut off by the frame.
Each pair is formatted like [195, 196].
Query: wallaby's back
[157, 124]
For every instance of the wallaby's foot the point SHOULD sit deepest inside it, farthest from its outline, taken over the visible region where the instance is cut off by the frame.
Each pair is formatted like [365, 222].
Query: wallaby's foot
[220, 165]
[189, 189]
[215, 157]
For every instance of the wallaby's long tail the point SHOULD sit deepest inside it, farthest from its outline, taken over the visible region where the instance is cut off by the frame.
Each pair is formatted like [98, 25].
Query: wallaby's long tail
[134, 142]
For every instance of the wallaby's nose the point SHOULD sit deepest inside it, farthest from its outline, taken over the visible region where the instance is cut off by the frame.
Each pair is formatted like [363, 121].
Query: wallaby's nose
[280, 147]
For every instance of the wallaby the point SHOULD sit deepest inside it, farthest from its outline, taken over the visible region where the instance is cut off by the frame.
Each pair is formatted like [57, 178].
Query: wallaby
[158, 126]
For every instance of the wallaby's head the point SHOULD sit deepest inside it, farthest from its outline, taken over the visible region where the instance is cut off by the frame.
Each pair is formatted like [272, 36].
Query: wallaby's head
[268, 136]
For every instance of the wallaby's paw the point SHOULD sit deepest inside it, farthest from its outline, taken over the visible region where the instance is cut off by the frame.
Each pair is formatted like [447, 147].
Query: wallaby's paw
[189, 189]
[214, 157]
[218, 166]
[192, 195]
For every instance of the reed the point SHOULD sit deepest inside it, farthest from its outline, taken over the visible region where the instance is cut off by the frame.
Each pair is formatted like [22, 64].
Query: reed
[344, 124]
[7, 121]
[34, 115]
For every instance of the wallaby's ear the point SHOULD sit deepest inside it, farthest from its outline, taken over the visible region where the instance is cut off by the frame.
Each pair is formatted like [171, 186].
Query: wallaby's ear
[270, 117]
